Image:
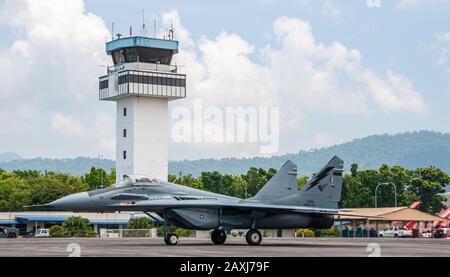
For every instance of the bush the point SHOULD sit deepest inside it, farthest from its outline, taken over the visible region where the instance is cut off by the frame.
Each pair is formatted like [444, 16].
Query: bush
[332, 232]
[184, 232]
[76, 226]
[180, 232]
[57, 231]
[140, 223]
[305, 233]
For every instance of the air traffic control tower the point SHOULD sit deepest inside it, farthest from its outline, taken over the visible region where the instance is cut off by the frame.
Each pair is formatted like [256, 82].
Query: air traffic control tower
[142, 81]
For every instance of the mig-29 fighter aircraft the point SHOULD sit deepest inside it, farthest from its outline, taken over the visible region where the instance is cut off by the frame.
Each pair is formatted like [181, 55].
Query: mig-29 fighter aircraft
[278, 205]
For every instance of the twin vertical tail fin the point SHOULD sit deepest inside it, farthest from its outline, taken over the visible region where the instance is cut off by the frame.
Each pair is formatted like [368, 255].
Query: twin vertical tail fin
[325, 188]
[281, 185]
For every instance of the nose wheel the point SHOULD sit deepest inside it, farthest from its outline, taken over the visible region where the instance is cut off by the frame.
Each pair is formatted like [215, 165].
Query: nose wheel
[171, 239]
[218, 237]
[253, 237]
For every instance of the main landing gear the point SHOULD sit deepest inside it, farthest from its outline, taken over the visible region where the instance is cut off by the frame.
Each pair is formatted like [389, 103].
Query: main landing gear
[170, 239]
[218, 236]
[253, 237]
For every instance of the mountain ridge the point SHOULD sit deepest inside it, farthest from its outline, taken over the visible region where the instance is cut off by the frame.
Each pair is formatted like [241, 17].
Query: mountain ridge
[410, 149]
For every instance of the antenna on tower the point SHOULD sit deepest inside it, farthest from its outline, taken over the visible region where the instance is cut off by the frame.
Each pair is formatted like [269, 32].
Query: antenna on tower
[131, 31]
[112, 30]
[144, 31]
[171, 30]
[154, 28]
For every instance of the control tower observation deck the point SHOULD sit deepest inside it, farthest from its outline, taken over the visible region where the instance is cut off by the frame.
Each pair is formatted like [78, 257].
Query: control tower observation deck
[141, 82]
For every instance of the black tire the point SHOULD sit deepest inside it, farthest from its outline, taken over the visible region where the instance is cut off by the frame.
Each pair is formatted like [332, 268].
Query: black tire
[396, 236]
[171, 239]
[381, 236]
[218, 237]
[253, 237]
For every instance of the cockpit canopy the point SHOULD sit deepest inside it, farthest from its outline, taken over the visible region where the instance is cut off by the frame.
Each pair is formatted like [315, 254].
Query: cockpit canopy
[137, 180]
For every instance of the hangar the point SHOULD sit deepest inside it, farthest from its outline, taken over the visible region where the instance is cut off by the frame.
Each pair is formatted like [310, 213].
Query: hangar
[366, 221]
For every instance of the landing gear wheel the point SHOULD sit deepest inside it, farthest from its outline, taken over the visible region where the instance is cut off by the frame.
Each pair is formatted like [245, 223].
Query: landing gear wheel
[218, 237]
[253, 237]
[171, 239]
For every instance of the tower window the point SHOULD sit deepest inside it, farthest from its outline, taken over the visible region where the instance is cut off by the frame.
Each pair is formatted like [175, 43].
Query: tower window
[124, 133]
[124, 155]
[124, 111]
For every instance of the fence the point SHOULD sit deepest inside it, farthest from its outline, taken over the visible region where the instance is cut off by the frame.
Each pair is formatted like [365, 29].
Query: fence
[128, 233]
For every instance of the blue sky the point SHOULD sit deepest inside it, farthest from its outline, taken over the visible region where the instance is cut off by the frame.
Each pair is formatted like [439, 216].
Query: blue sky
[393, 75]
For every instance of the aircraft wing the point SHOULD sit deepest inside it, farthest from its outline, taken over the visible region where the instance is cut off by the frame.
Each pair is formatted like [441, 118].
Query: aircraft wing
[157, 205]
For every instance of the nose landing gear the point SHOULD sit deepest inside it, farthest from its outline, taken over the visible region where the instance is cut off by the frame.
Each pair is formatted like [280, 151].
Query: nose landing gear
[170, 239]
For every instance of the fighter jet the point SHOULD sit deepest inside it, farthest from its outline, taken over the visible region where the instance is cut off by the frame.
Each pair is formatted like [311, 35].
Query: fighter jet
[278, 205]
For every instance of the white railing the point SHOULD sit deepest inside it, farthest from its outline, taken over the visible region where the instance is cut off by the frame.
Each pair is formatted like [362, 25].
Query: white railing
[128, 233]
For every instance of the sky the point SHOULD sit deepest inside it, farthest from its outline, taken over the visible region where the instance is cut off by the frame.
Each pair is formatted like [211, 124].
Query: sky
[336, 70]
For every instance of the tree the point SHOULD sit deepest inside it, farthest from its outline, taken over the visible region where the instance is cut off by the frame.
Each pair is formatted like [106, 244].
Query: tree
[188, 181]
[355, 194]
[76, 226]
[428, 193]
[255, 179]
[172, 178]
[270, 173]
[212, 181]
[239, 187]
[98, 178]
[302, 181]
[51, 186]
[14, 194]
[354, 169]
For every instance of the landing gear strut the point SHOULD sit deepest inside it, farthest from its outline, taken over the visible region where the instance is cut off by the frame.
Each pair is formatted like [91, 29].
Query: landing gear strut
[253, 237]
[218, 236]
[169, 238]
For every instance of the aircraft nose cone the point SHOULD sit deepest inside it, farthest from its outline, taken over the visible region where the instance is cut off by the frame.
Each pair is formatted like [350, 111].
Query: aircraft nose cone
[76, 201]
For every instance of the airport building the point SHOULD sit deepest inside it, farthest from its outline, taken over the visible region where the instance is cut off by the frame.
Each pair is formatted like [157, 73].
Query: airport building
[27, 222]
[142, 81]
[31, 221]
[365, 222]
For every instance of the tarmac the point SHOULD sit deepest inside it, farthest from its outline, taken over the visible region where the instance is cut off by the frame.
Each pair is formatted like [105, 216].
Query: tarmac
[202, 247]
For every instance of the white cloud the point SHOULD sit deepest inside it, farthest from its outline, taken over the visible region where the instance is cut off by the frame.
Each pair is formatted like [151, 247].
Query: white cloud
[66, 125]
[443, 43]
[50, 70]
[443, 37]
[323, 139]
[49, 79]
[300, 75]
[331, 9]
[104, 131]
[414, 4]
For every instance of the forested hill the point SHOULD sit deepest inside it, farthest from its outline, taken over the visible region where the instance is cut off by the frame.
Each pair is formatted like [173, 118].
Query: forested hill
[77, 166]
[411, 150]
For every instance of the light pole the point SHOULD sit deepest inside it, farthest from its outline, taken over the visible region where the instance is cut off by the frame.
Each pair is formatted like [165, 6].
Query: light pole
[395, 192]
